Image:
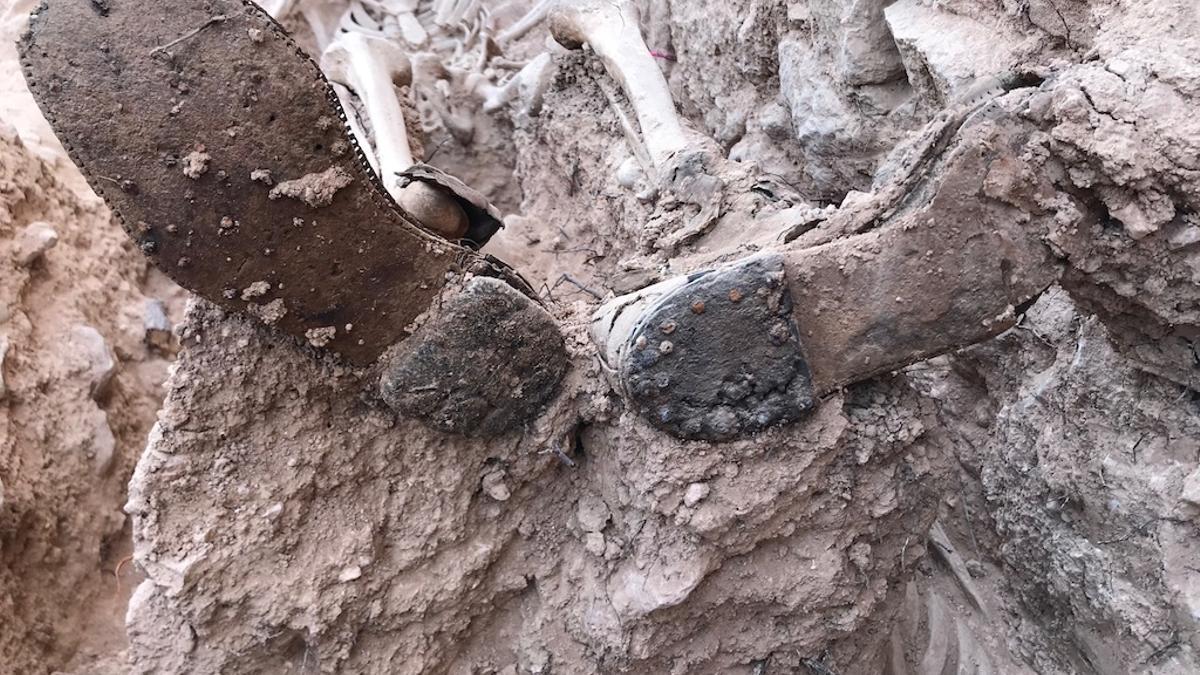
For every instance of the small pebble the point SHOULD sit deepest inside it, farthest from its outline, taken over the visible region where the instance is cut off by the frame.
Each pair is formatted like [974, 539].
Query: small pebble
[264, 176]
[350, 574]
[319, 337]
[34, 241]
[156, 325]
[269, 313]
[256, 290]
[97, 360]
[735, 295]
[195, 164]
[698, 307]
[494, 487]
[592, 514]
[666, 347]
[976, 569]
[696, 492]
[594, 543]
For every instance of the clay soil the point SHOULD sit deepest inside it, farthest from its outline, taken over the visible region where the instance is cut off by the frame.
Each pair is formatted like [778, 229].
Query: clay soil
[181, 491]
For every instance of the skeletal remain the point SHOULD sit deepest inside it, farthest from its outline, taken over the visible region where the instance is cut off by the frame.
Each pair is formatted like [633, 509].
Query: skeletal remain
[610, 28]
[399, 18]
[322, 17]
[327, 19]
[371, 67]
[453, 12]
[528, 84]
[357, 19]
[526, 23]
[685, 171]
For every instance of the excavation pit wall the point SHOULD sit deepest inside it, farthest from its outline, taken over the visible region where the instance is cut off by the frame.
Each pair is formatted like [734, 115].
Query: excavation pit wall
[1059, 459]
[283, 517]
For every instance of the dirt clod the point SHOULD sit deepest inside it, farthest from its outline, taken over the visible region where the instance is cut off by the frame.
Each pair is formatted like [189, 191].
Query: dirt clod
[314, 189]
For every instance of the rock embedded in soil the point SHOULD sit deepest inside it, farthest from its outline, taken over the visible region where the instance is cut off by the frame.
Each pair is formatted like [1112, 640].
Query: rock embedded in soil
[592, 513]
[101, 447]
[944, 52]
[195, 164]
[35, 240]
[696, 492]
[157, 326]
[4, 343]
[95, 359]
[494, 487]
[594, 543]
[1190, 494]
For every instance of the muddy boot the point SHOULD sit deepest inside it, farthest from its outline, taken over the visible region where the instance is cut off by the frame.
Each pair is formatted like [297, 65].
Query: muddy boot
[728, 352]
[223, 151]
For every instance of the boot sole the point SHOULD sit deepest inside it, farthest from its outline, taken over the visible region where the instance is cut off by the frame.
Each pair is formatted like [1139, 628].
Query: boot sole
[224, 153]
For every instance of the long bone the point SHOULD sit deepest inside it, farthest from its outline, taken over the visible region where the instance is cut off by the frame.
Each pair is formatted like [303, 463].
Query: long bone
[611, 29]
[453, 12]
[372, 67]
[683, 169]
[526, 23]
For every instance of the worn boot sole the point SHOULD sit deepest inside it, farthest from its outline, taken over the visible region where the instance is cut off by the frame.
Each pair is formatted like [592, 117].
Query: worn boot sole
[729, 352]
[224, 152]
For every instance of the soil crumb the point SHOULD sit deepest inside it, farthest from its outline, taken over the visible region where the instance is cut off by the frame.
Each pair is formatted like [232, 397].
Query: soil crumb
[315, 189]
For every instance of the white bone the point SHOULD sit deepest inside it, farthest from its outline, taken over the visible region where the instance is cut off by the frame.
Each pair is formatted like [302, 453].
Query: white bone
[357, 19]
[322, 18]
[277, 8]
[610, 27]
[371, 67]
[529, 84]
[452, 12]
[403, 13]
[526, 23]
